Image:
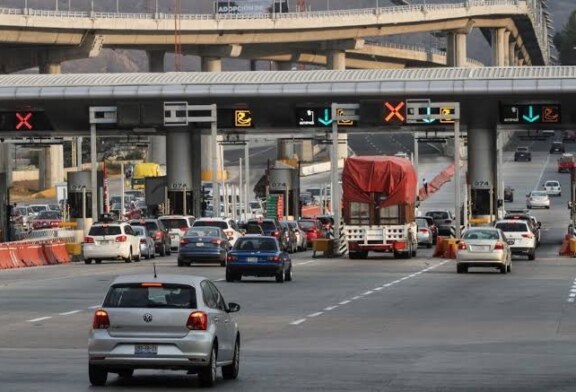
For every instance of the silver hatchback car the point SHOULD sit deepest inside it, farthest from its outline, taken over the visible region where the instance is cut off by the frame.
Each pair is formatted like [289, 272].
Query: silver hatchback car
[175, 322]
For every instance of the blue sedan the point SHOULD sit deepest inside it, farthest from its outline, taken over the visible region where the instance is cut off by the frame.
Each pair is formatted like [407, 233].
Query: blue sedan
[203, 244]
[258, 256]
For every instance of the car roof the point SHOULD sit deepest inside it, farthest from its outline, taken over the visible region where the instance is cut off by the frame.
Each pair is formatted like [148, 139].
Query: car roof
[207, 219]
[161, 278]
[175, 216]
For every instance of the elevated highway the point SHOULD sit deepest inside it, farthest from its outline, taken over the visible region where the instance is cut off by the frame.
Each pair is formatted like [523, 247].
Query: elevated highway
[46, 38]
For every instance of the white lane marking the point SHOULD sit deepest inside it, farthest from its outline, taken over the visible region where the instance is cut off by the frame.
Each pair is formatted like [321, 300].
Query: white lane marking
[329, 308]
[344, 302]
[219, 280]
[304, 263]
[39, 319]
[356, 297]
[315, 314]
[93, 307]
[570, 299]
[396, 281]
[70, 312]
[297, 322]
[377, 288]
[367, 293]
[388, 284]
[572, 295]
[573, 289]
[542, 173]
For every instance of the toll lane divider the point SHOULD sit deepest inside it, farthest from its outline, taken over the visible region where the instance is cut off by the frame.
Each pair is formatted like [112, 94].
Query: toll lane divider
[20, 254]
[445, 248]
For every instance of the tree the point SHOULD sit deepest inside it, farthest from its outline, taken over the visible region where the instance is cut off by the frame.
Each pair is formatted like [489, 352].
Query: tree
[565, 41]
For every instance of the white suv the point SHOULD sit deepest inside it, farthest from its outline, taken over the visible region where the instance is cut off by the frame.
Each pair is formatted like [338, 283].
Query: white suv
[227, 225]
[552, 188]
[518, 231]
[111, 241]
[177, 226]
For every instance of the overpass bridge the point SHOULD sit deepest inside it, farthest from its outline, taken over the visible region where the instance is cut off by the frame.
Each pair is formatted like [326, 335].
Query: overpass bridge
[488, 98]
[517, 29]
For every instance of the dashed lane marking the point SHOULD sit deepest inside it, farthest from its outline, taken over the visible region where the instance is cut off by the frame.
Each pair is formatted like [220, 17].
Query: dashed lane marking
[369, 292]
[70, 312]
[39, 319]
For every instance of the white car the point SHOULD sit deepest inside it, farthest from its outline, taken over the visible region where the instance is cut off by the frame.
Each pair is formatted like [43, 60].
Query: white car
[111, 241]
[537, 199]
[230, 228]
[552, 188]
[484, 247]
[520, 238]
[177, 226]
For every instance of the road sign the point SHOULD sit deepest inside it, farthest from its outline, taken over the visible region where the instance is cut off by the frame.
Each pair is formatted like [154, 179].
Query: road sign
[426, 112]
[321, 117]
[538, 113]
[378, 112]
[24, 121]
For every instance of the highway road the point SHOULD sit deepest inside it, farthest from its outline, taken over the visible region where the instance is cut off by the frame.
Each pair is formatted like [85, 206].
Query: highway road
[342, 325]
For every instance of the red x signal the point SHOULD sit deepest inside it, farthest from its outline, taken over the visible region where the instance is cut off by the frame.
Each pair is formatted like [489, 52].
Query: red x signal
[395, 112]
[23, 120]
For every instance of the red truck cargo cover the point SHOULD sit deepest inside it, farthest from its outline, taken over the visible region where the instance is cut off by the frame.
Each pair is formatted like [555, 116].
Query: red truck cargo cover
[379, 174]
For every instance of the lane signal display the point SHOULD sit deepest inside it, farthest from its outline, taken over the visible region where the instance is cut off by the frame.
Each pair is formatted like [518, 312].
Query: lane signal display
[242, 118]
[396, 112]
[531, 114]
[24, 121]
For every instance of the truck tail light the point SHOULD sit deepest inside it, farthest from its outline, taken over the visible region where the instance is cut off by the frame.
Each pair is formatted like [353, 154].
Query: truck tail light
[197, 321]
[101, 320]
[121, 238]
[399, 245]
[88, 240]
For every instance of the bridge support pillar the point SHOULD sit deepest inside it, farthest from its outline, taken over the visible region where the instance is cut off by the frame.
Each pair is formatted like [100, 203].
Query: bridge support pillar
[512, 57]
[499, 47]
[211, 64]
[51, 162]
[482, 158]
[456, 49]
[506, 49]
[253, 65]
[336, 60]
[5, 183]
[181, 152]
[157, 148]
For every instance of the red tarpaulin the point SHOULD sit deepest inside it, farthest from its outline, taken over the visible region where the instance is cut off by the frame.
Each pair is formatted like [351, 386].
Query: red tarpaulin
[393, 176]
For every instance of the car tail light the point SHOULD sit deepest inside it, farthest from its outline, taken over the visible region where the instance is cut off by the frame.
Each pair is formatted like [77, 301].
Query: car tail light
[499, 246]
[158, 235]
[121, 238]
[142, 241]
[184, 241]
[197, 321]
[276, 234]
[183, 228]
[274, 258]
[101, 320]
[462, 245]
[88, 240]
[528, 235]
[216, 242]
[232, 258]
[424, 231]
[229, 233]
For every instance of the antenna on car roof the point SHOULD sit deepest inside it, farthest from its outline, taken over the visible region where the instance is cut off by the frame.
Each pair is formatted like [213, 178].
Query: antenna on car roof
[154, 265]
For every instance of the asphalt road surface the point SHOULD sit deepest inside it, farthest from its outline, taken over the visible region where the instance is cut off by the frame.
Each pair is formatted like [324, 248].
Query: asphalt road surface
[342, 325]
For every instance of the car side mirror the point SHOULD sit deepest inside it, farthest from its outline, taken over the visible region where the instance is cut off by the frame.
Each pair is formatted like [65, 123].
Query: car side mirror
[233, 307]
[539, 224]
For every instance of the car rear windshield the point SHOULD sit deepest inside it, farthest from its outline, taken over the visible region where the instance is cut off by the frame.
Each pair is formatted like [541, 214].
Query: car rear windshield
[539, 194]
[421, 222]
[174, 223]
[150, 226]
[522, 149]
[512, 227]
[256, 243]
[138, 295]
[481, 235]
[105, 230]
[265, 225]
[203, 232]
[307, 225]
[437, 214]
[49, 215]
[552, 183]
[219, 224]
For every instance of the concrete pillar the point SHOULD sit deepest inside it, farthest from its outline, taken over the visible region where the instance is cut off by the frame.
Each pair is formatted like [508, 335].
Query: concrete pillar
[336, 60]
[51, 168]
[512, 59]
[482, 158]
[342, 145]
[157, 148]
[284, 65]
[179, 145]
[456, 49]
[50, 68]
[209, 64]
[499, 47]
[506, 48]
[253, 65]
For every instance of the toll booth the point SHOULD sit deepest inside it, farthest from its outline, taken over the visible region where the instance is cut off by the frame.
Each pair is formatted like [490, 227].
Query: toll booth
[80, 196]
[284, 180]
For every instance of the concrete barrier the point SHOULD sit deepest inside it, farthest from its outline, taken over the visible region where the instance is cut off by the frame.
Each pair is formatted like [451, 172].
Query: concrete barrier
[316, 168]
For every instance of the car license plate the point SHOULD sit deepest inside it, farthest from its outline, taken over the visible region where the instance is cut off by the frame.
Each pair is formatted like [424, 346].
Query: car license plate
[199, 244]
[146, 349]
[252, 259]
[104, 242]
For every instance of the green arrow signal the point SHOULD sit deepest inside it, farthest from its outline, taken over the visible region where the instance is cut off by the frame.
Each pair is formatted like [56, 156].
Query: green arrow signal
[428, 120]
[326, 120]
[531, 118]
